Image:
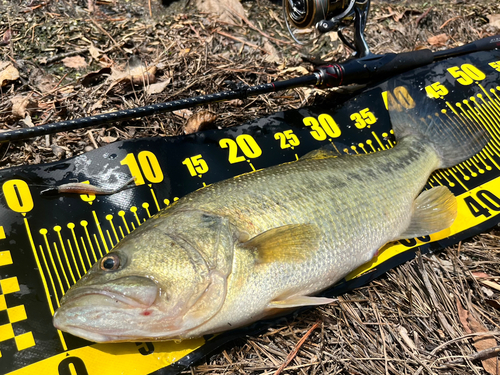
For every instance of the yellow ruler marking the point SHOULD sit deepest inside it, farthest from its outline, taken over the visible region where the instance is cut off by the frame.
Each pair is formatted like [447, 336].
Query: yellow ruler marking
[98, 248]
[44, 280]
[451, 184]
[489, 155]
[57, 229]
[473, 164]
[133, 209]
[480, 159]
[52, 283]
[491, 100]
[74, 259]
[378, 140]
[85, 224]
[43, 232]
[56, 250]
[85, 251]
[122, 215]
[370, 143]
[100, 231]
[112, 225]
[154, 198]
[110, 239]
[458, 180]
[472, 173]
[489, 117]
[71, 227]
[145, 205]
[117, 358]
[492, 132]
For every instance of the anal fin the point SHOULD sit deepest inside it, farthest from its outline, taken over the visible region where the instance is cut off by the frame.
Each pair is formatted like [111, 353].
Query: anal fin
[433, 210]
[299, 301]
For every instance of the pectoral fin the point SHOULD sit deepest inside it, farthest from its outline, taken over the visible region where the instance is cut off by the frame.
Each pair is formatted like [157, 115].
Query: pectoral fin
[433, 211]
[289, 243]
[298, 301]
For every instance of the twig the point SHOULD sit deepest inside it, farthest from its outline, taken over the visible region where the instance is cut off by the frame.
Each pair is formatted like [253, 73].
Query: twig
[482, 334]
[294, 352]
[240, 40]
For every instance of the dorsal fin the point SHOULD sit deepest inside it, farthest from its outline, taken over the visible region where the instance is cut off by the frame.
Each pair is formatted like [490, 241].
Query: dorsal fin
[325, 152]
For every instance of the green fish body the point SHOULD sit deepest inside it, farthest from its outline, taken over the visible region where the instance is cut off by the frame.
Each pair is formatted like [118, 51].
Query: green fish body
[255, 245]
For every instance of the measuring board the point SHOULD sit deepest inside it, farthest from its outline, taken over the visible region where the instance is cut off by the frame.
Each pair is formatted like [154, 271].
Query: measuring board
[48, 242]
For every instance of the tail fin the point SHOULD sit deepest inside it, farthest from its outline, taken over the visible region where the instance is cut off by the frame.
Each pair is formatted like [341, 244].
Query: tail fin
[455, 138]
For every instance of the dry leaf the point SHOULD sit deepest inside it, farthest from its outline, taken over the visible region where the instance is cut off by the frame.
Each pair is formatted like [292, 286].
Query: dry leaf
[94, 78]
[27, 121]
[6, 38]
[21, 105]
[199, 121]
[273, 55]
[108, 139]
[94, 52]
[75, 62]
[438, 40]
[480, 275]
[157, 87]
[136, 73]
[227, 10]
[184, 113]
[494, 20]
[8, 73]
[297, 69]
[471, 325]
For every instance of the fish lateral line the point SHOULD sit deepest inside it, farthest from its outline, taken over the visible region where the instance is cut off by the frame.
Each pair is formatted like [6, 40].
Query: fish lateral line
[82, 188]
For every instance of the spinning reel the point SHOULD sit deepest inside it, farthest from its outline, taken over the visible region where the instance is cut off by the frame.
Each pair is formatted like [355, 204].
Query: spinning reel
[329, 15]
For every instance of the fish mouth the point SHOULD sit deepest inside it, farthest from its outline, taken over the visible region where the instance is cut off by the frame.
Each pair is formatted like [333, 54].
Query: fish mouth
[133, 291]
[99, 312]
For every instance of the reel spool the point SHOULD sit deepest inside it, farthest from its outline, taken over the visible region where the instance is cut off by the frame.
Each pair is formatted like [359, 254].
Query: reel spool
[308, 19]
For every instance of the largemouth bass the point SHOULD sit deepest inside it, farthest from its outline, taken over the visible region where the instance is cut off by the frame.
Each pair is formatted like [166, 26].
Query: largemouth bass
[258, 244]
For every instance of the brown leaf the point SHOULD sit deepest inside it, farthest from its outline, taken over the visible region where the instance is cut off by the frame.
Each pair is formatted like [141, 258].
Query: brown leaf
[136, 73]
[494, 20]
[8, 73]
[227, 10]
[44, 82]
[75, 62]
[199, 121]
[184, 113]
[471, 325]
[158, 87]
[93, 78]
[6, 38]
[462, 315]
[438, 40]
[21, 105]
[108, 139]
[480, 275]
[94, 52]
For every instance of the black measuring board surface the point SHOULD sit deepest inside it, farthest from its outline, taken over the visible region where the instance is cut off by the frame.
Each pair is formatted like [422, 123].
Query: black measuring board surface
[48, 242]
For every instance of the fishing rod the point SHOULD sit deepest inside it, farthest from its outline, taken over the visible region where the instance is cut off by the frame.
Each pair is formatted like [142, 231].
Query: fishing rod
[361, 71]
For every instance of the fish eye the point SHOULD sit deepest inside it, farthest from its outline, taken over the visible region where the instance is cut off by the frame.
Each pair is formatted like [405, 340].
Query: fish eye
[110, 262]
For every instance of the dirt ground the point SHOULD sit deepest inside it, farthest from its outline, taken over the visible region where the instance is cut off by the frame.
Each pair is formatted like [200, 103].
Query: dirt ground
[72, 59]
